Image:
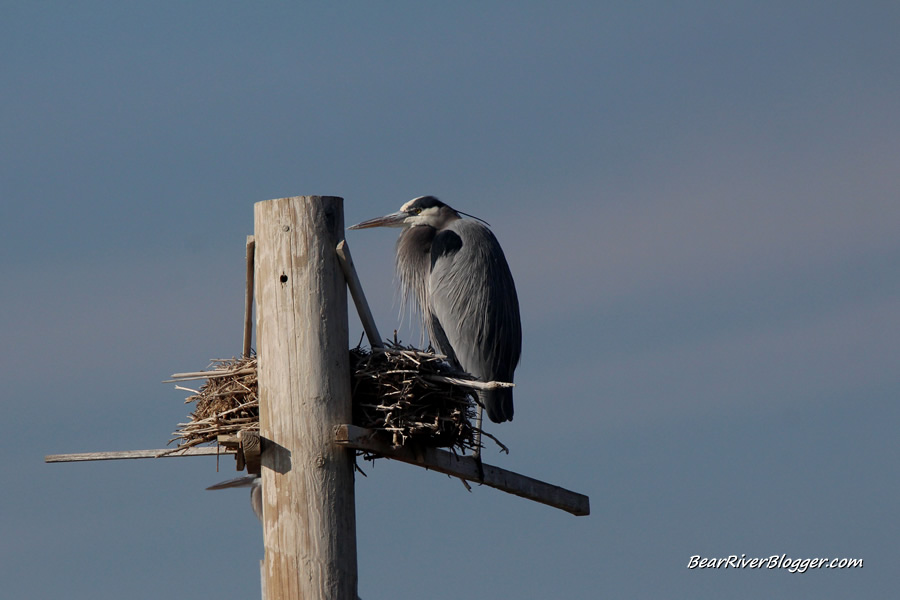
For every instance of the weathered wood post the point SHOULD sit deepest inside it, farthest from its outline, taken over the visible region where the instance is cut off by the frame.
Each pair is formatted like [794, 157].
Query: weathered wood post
[304, 390]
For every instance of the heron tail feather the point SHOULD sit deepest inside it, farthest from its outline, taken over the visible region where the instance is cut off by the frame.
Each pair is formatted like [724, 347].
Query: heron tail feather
[498, 404]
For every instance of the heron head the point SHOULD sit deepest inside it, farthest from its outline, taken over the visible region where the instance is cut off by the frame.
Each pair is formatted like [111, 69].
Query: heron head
[425, 210]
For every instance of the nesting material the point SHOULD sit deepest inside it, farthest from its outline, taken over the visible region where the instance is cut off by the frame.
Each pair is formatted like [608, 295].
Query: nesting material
[409, 394]
[413, 396]
[226, 404]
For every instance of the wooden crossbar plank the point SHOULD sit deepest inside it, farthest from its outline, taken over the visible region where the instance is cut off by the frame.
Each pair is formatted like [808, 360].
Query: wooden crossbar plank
[130, 454]
[466, 467]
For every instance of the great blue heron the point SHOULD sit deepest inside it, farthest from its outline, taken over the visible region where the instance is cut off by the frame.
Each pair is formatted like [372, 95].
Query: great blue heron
[456, 271]
[254, 482]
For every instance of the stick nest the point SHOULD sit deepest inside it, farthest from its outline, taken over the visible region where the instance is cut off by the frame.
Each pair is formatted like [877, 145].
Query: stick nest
[226, 404]
[412, 395]
[409, 394]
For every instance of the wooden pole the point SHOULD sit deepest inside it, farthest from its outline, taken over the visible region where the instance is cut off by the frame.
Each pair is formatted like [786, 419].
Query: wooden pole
[304, 392]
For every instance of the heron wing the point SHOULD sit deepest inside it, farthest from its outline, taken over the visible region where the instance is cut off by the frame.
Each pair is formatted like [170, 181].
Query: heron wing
[472, 301]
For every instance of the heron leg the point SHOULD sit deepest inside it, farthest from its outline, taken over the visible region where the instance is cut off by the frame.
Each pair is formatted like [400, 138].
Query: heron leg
[478, 418]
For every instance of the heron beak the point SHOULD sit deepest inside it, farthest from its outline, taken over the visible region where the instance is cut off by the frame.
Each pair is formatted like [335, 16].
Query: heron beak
[397, 219]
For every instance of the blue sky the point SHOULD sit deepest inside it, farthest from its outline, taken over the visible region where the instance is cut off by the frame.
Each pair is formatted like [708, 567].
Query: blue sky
[698, 201]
